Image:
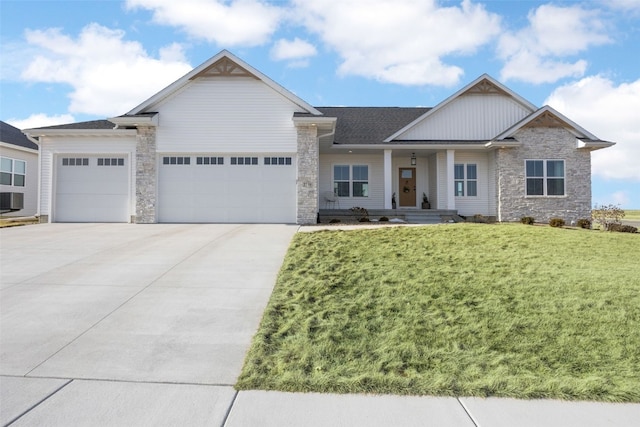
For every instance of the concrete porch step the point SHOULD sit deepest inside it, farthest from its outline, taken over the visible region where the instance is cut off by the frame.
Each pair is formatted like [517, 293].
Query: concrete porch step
[414, 216]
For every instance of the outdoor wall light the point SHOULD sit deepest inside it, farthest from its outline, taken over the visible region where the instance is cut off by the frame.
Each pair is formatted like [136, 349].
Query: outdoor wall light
[413, 159]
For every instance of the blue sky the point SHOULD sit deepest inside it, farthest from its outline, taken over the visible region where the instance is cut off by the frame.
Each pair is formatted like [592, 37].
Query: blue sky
[67, 61]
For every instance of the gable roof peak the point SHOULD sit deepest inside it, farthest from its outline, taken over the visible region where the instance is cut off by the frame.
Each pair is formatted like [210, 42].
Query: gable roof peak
[224, 63]
[483, 85]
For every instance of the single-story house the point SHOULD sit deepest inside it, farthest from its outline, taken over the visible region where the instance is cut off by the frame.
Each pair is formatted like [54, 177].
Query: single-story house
[18, 173]
[225, 143]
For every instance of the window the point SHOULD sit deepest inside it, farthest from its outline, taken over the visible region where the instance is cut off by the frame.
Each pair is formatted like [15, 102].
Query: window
[244, 160]
[12, 172]
[176, 160]
[72, 161]
[277, 161]
[210, 160]
[351, 180]
[111, 162]
[466, 179]
[545, 177]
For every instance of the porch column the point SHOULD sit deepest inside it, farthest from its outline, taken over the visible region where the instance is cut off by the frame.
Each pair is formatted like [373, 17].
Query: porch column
[388, 179]
[450, 197]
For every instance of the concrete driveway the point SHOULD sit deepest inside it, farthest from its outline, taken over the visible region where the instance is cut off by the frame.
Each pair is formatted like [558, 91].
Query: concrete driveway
[133, 324]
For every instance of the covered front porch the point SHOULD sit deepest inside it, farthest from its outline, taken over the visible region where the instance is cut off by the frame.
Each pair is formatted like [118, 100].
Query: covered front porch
[408, 181]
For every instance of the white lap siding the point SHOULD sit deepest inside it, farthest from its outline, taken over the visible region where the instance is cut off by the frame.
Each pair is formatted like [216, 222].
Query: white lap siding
[375, 200]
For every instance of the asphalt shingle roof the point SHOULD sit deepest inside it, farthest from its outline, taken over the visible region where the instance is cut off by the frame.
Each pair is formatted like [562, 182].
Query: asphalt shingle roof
[90, 125]
[14, 136]
[370, 125]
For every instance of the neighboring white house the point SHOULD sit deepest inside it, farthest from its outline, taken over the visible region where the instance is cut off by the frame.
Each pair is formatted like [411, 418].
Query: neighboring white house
[227, 144]
[18, 173]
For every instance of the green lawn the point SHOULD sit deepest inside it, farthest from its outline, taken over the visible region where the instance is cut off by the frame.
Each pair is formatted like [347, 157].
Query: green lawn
[456, 309]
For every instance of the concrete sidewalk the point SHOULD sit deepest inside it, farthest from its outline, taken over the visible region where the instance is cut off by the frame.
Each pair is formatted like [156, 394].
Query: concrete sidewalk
[148, 325]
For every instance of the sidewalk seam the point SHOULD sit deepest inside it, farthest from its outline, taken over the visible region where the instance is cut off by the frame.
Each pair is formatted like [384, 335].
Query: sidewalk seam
[226, 416]
[31, 408]
[466, 410]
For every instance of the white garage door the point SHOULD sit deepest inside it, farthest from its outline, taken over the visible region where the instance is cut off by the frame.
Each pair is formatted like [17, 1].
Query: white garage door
[214, 188]
[92, 189]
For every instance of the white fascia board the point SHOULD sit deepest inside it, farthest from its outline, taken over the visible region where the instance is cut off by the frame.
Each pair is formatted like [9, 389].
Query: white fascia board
[34, 133]
[146, 120]
[315, 120]
[182, 81]
[409, 147]
[447, 101]
[18, 147]
[503, 144]
[593, 144]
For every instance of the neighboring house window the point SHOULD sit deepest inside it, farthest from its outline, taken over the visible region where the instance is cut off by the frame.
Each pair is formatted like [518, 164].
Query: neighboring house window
[72, 161]
[545, 177]
[12, 172]
[277, 161]
[351, 180]
[111, 162]
[244, 160]
[466, 179]
[210, 160]
[176, 160]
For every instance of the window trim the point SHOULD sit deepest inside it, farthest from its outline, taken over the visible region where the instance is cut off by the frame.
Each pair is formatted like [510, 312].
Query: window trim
[351, 180]
[12, 173]
[465, 180]
[545, 179]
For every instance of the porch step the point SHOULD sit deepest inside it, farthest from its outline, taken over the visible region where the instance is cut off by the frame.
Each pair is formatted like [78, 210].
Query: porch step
[413, 216]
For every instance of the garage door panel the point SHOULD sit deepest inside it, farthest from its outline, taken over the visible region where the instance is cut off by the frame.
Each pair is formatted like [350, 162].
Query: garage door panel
[227, 193]
[91, 193]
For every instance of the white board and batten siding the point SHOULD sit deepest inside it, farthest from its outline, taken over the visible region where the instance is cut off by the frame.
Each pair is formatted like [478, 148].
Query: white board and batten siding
[62, 198]
[226, 115]
[479, 204]
[469, 117]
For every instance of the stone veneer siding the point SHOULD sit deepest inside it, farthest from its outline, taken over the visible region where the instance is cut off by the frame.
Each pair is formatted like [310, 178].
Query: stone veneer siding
[308, 164]
[146, 177]
[543, 144]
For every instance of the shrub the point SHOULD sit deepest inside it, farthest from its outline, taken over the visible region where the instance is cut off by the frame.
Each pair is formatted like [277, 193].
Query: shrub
[606, 215]
[363, 220]
[334, 221]
[384, 219]
[360, 213]
[556, 222]
[584, 223]
[527, 220]
[622, 228]
[480, 218]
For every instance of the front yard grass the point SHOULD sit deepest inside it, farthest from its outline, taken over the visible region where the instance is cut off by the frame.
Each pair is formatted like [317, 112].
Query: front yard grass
[454, 310]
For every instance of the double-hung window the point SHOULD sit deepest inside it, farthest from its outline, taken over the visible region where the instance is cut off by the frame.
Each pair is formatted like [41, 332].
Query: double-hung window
[545, 177]
[466, 179]
[12, 172]
[351, 180]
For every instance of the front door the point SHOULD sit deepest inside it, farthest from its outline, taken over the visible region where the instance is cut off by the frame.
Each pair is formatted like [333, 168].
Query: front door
[407, 187]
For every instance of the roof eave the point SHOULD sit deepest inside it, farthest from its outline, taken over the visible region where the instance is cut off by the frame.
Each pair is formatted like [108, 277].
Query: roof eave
[36, 133]
[136, 120]
[593, 145]
[20, 147]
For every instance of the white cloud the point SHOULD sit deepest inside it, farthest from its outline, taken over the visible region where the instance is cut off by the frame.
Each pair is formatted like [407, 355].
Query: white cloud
[227, 23]
[295, 49]
[401, 42]
[41, 120]
[611, 113]
[620, 198]
[627, 5]
[534, 54]
[109, 75]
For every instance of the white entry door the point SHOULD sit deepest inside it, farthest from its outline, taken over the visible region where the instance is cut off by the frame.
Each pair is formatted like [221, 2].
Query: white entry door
[92, 188]
[227, 189]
